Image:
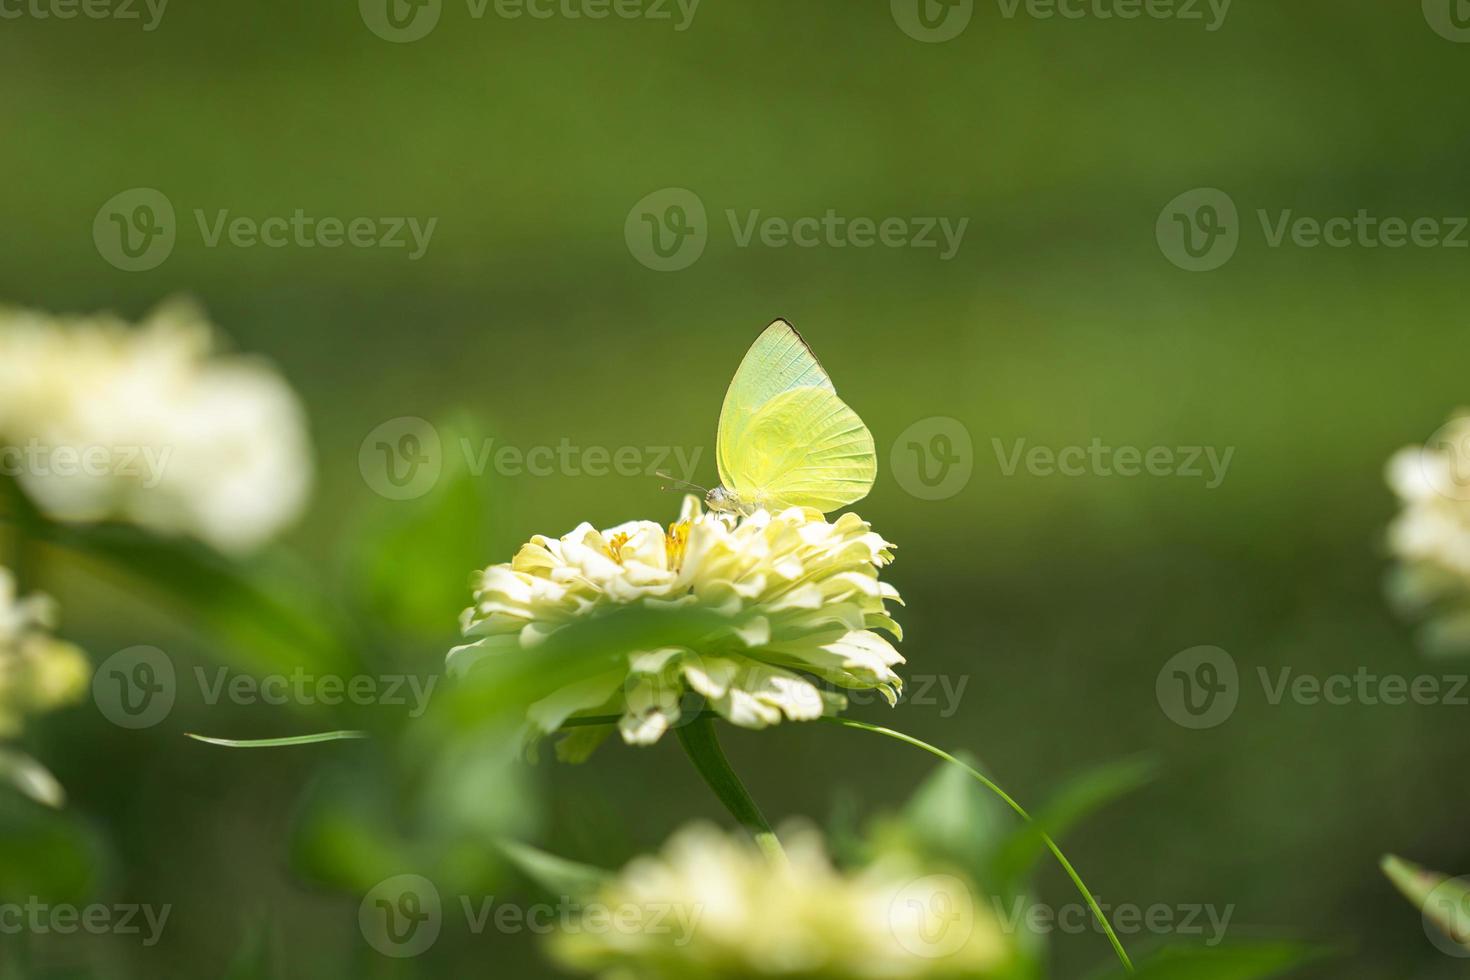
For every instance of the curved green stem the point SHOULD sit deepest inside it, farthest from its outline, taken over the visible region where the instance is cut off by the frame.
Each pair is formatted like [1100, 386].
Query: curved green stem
[703, 748]
[1051, 845]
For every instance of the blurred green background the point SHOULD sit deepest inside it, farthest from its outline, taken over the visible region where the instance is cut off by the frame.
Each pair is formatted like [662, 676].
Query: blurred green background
[1059, 321]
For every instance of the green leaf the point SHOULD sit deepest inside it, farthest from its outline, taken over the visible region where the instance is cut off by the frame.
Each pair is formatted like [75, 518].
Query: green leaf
[258, 957]
[47, 853]
[1255, 961]
[556, 875]
[411, 567]
[702, 745]
[1078, 799]
[1020, 811]
[1443, 900]
[422, 804]
[261, 613]
[952, 817]
[503, 686]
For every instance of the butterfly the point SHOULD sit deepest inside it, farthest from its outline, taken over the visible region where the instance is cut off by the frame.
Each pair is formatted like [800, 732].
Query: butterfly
[785, 438]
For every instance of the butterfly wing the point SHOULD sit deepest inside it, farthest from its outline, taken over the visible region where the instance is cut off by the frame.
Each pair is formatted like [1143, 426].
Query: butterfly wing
[778, 361]
[803, 448]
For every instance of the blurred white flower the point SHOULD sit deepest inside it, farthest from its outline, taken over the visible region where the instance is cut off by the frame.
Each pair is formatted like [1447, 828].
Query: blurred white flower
[37, 671]
[1431, 535]
[799, 598]
[712, 907]
[150, 425]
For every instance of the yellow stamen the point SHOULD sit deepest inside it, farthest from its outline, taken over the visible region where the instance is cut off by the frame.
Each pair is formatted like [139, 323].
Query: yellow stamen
[615, 546]
[675, 543]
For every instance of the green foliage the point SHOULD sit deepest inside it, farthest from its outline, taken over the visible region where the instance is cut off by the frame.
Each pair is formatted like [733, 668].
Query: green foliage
[1255, 961]
[50, 854]
[439, 808]
[411, 559]
[262, 616]
[555, 875]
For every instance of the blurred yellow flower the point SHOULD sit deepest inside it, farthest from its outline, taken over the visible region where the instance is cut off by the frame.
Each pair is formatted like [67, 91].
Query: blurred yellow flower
[37, 671]
[150, 425]
[712, 907]
[799, 597]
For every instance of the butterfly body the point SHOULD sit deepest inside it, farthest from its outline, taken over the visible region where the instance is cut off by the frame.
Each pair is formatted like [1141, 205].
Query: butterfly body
[785, 438]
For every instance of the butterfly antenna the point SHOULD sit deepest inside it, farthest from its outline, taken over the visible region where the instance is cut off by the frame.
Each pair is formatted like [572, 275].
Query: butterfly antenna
[678, 484]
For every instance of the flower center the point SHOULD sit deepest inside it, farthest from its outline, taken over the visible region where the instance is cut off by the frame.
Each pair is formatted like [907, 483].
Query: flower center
[615, 546]
[675, 543]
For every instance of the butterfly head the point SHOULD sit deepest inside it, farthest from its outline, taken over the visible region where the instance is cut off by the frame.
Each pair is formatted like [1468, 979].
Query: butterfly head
[724, 501]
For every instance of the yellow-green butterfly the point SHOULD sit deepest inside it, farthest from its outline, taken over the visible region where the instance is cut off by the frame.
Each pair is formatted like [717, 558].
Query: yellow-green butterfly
[785, 438]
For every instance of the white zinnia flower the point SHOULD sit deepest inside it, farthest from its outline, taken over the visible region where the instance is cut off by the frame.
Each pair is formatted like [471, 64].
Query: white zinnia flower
[1431, 535]
[37, 671]
[712, 907]
[102, 421]
[799, 598]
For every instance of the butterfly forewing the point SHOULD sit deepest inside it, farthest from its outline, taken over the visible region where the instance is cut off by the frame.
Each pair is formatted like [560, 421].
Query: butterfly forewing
[778, 361]
[805, 448]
